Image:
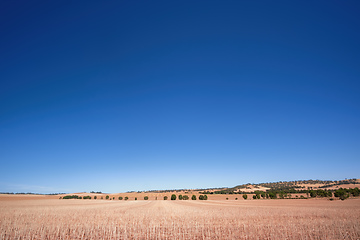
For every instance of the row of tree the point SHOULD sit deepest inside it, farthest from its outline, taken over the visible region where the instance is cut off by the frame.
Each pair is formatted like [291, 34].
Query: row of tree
[173, 197]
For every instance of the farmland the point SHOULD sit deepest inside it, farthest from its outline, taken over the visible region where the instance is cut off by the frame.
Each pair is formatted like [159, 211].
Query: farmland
[33, 217]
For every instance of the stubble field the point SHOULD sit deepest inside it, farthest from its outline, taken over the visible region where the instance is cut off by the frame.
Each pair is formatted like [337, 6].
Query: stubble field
[252, 219]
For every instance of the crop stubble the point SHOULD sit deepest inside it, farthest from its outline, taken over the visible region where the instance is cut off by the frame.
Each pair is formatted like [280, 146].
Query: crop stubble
[262, 219]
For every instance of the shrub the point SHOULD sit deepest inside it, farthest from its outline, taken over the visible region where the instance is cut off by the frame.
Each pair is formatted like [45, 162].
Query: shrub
[113, 198]
[173, 197]
[185, 197]
[120, 198]
[254, 196]
[227, 198]
[86, 197]
[272, 195]
[245, 196]
[126, 198]
[341, 193]
[107, 197]
[146, 198]
[165, 197]
[201, 197]
[193, 197]
[236, 198]
[95, 197]
[180, 197]
[205, 197]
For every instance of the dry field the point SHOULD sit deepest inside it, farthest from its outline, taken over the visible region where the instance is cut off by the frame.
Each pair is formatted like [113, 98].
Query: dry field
[22, 218]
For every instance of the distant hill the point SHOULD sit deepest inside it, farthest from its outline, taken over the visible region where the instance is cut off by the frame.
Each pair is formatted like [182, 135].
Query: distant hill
[297, 185]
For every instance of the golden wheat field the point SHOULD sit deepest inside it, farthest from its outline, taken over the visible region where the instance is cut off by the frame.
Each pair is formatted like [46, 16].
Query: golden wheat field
[22, 218]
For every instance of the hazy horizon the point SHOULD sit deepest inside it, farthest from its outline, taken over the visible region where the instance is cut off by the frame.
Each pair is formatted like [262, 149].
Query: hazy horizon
[131, 96]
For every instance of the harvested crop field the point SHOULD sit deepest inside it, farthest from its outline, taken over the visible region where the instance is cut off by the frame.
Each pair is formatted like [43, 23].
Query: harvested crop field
[101, 219]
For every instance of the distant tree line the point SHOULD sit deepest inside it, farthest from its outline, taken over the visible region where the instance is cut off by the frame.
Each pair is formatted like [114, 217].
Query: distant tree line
[75, 197]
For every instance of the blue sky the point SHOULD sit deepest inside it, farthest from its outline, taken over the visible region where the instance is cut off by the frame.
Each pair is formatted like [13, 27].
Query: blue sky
[116, 96]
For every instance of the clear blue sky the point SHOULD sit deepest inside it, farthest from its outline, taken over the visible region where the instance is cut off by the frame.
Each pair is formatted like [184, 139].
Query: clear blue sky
[116, 96]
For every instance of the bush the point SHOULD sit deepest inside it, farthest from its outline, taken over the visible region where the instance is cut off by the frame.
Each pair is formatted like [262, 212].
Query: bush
[165, 197]
[173, 197]
[86, 197]
[205, 197]
[120, 198]
[95, 197]
[236, 198]
[341, 193]
[146, 198]
[180, 197]
[126, 198]
[272, 195]
[193, 197]
[201, 197]
[135, 198]
[245, 196]
[185, 197]
[254, 196]
[113, 198]
[107, 197]
[227, 198]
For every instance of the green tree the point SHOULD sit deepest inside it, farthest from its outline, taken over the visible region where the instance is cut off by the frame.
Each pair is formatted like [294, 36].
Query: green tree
[135, 198]
[126, 198]
[165, 197]
[120, 198]
[107, 197]
[185, 197]
[173, 197]
[180, 197]
[193, 197]
[272, 195]
[146, 198]
[205, 197]
[244, 196]
[95, 197]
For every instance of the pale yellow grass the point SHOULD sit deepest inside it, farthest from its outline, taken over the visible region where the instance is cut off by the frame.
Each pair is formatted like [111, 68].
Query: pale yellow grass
[101, 219]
